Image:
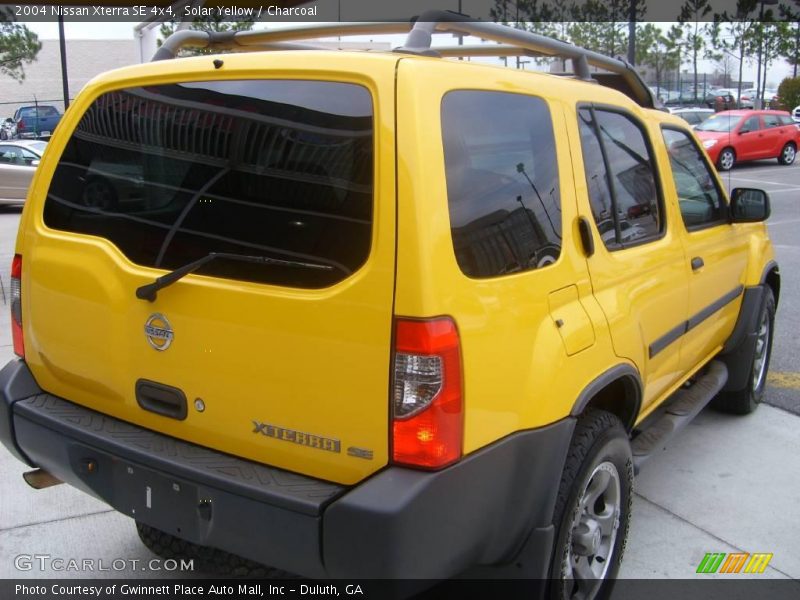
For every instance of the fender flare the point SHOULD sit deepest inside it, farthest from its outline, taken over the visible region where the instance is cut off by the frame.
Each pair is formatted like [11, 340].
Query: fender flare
[769, 268]
[621, 372]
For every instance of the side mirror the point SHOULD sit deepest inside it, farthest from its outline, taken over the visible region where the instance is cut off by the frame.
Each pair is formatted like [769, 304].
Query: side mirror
[749, 205]
[35, 162]
[744, 130]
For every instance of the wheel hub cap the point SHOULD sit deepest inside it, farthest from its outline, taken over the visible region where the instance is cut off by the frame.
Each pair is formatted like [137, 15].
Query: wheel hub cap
[586, 537]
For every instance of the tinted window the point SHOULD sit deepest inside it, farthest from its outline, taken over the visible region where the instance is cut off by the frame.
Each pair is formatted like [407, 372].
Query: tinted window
[42, 111]
[751, 124]
[700, 200]
[624, 202]
[786, 120]
[170, 173]
[502, 182]
[16, 155]
[690, 117]
[771, 121]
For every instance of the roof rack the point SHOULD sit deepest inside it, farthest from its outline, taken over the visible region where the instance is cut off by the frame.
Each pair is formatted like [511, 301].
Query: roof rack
[511, 42]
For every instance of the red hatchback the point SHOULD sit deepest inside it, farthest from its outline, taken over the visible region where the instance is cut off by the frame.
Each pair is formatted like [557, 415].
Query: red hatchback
[739, 135]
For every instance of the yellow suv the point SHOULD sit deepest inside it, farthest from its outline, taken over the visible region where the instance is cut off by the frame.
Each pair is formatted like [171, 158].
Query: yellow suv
[378, 314]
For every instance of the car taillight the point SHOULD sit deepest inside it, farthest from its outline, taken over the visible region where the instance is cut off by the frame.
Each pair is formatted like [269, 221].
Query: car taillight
[20, 125]
[427, 403]
[16, 306]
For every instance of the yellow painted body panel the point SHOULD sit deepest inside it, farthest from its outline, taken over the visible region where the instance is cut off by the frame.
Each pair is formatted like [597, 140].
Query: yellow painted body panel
[511, 347]
[313, 361]
[318, 361]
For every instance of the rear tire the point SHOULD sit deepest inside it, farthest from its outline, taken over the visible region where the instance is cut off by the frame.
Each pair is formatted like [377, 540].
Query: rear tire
[745, 401]
[206, 560]
[788, 154]
[592, 510]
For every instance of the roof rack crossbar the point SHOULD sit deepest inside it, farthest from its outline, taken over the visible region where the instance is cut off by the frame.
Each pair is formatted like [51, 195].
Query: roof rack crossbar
[511, 42]
[238, 40]
[581, 58]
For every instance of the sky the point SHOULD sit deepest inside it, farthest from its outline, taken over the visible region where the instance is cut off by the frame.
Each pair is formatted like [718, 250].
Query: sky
[124, 30]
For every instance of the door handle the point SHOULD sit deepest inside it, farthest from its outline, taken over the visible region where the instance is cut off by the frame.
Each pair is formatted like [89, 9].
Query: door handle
[697, 263]
[586, 236]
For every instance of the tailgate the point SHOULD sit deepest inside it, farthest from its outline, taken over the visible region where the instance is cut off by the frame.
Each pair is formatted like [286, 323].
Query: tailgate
[284, 361]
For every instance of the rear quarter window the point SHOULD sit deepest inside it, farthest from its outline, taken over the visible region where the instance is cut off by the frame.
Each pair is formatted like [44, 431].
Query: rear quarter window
[502, 182]
[274, 168]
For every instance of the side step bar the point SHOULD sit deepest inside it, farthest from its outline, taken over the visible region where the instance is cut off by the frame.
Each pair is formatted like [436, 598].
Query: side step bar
[682, 408]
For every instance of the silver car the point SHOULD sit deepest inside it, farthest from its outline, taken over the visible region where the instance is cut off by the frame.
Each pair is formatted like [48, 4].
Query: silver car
[18, 161]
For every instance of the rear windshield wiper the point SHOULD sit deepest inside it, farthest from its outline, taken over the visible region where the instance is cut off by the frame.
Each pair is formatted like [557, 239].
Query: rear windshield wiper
[149, 291]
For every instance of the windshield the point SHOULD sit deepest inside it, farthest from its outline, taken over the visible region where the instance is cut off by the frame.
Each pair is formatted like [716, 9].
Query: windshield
[721, 123]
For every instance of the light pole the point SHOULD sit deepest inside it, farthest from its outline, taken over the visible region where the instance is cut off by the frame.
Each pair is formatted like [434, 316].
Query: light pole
[759, 91]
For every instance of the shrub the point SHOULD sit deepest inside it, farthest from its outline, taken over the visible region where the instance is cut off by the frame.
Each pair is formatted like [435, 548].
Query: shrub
[789, 93]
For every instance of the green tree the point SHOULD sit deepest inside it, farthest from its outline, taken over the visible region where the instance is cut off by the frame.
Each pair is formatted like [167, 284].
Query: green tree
[18, 45]
[736, 33]
[602, 26]
[789, 92]
[791, 51]
[776, 40]
[544, 17]
[207, 24]
[657, 50]
[694, 34]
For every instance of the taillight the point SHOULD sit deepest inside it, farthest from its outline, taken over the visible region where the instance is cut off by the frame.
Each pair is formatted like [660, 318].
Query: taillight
[427, 404]
[16, 306]
[20, 125]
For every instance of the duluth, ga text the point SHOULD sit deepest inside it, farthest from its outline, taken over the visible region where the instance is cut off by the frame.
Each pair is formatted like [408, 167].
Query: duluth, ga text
[190, 12]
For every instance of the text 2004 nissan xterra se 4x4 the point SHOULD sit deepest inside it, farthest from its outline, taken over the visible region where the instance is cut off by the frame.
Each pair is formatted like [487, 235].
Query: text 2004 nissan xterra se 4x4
[378, 314]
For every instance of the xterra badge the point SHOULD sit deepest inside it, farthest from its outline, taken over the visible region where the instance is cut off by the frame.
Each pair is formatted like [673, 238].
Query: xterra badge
[158, 332]
[297, 437]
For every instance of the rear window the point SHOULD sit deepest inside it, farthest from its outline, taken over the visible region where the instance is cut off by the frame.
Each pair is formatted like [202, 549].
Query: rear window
[278, 169]
[42, 111]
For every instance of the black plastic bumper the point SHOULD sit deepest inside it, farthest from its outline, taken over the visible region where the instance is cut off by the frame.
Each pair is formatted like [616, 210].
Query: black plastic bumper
[492, 507]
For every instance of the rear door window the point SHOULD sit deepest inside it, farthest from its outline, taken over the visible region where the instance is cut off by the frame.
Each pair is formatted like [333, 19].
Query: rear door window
[270, 168]
[502, 182]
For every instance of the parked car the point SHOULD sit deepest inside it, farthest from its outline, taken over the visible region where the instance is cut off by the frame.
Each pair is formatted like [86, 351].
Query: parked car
[377, 325]
[693, 116]
[36, 122]
[8, 129]
[749, 96]
[18, 162]
[796, 114]
[741, 135]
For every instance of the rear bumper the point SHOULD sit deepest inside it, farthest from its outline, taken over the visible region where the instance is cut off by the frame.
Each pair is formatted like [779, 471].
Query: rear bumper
[487, 509]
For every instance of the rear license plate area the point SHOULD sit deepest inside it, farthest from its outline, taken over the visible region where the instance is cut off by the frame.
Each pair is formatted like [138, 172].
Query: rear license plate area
[162, 502]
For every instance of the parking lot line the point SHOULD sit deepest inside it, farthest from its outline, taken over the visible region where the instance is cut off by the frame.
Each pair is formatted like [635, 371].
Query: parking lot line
[762, 182]
[786, 380]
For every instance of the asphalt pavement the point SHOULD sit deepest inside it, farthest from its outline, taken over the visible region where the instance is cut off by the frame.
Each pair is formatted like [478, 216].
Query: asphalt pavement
[725, 485]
